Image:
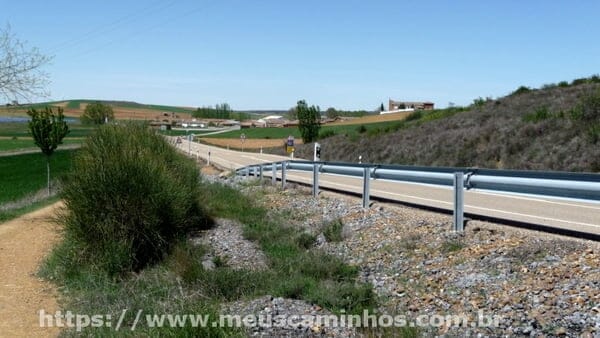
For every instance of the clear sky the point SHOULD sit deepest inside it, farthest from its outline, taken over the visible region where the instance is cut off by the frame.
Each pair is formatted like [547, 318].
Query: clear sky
[267, 54]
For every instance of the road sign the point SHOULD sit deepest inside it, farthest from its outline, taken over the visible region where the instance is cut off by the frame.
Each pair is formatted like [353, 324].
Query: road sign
[290, 141]
[243, 137]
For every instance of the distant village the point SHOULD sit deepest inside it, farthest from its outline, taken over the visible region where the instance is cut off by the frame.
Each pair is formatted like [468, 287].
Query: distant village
[169, 120]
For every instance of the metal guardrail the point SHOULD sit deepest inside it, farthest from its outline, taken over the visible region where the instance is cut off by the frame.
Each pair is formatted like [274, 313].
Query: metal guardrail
[550, 184]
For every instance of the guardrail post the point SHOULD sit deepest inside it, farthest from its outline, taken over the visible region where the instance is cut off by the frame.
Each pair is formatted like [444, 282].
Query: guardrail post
[366, 187]
[273, 173]
[459, 201]
[246, 172]
[260, 171]
[315, 188]
[283, 175]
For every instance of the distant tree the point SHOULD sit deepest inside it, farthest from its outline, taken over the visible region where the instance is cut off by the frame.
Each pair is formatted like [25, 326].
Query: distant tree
[220, 111]
[332, 113]
[309, 119]
[48, 130]
[21, 76]
[97, 113]
[292, 114]
[382, 107]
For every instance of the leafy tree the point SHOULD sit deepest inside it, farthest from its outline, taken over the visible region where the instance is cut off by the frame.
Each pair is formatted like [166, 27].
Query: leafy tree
[20, 68]
[97, 113]
[48, 130]
[309, 119]
[382, 107]
[220, 111]
[332, 113]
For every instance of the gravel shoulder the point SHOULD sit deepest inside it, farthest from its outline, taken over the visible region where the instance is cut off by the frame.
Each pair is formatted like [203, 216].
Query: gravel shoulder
[529, 283]
[24, 242]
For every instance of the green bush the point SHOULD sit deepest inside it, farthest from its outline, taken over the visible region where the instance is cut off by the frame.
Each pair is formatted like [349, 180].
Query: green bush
[521, 90]
[540, 114]
[129, 198]
[326, 133]
[588, 108]
[361, 129]
[333, 230]
[416, 115]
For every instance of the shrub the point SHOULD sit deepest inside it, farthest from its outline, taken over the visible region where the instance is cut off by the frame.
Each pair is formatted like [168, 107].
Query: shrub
[333, 231]
[129, 198]
[326, 133]
[416, 115]
[305, 240]
[97, 113]
[521, 90]
[588, 108]
[593, 133]
[540, 114]
[563, 84]
[361, 129]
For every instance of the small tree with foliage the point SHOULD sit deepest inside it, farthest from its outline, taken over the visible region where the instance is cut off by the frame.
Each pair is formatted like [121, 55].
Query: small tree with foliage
[48, 130]
[332, 113]
[309, 121]
[97, 113]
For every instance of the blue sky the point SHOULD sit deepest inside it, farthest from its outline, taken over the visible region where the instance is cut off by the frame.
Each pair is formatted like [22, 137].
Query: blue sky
[267, 54]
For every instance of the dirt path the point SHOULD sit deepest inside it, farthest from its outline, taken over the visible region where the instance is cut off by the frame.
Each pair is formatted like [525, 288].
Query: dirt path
[24, 242]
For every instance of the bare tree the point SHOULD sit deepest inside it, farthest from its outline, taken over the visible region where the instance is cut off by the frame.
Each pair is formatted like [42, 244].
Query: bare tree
[21, 76]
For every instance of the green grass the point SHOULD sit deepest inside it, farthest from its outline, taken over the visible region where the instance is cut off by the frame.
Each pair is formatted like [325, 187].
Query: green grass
[76, 104]
[25, 143]
[283, 133]
[7, 215]
[22, 130]
[180, 284]
[26, 174]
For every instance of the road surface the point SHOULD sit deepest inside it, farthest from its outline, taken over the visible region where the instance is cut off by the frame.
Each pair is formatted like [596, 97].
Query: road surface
[575, 215]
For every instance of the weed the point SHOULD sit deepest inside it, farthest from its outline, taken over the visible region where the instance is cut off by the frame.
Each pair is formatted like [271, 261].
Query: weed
[305, 240]
[333, 230]
[540, 114]
[416, 115]
[452, 246]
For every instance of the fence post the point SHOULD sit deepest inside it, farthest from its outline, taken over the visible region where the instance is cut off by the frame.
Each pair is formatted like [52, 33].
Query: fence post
[366, 187]
[315, 188]
[273, 173]
[283, 174]
[459, 201]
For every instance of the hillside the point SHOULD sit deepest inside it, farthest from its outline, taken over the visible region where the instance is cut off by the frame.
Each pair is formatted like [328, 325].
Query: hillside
[122, 109]
[553, 128]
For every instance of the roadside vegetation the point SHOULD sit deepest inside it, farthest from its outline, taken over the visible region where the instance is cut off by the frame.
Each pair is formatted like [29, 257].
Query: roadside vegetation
[556, 127]
[126, 177]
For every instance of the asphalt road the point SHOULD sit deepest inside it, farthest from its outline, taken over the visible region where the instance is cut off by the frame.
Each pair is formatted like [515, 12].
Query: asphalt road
[575, 215]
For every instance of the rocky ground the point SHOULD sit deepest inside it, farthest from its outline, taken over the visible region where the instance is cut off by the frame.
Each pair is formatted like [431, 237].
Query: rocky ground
[503, 281]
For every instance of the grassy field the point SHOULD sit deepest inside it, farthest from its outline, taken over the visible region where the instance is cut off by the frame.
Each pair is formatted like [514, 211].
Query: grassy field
[25, 174]
[283, 133]
[16, 136]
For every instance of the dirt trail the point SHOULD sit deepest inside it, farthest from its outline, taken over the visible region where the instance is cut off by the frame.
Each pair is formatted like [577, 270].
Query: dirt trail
[24, 242]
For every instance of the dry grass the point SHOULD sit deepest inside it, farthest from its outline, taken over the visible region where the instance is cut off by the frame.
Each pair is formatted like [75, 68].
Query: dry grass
[493, 134]
[372, 119]
[248, 144]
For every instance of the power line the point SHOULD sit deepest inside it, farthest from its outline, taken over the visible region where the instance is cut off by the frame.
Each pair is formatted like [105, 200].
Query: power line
[114, 25]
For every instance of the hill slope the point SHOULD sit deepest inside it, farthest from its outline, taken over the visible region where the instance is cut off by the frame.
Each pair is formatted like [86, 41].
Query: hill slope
[556, 128]
[122, 109]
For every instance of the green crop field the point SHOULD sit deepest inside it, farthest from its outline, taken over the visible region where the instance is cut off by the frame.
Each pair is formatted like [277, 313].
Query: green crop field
[26, 174]
[282, 133]
[19, 129]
